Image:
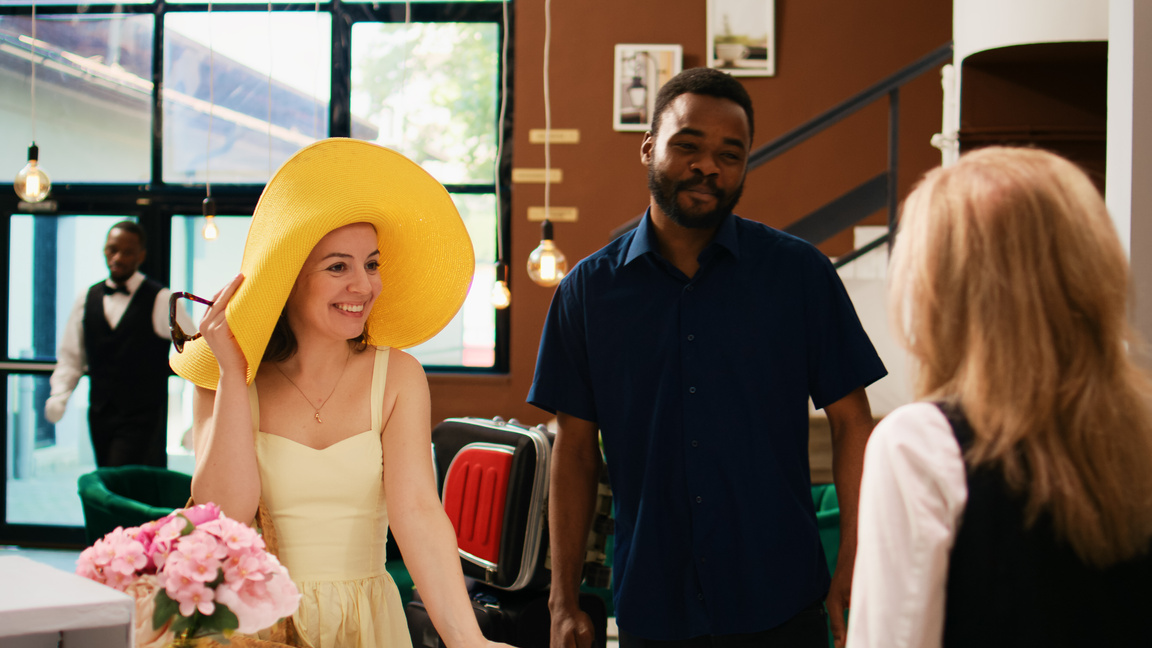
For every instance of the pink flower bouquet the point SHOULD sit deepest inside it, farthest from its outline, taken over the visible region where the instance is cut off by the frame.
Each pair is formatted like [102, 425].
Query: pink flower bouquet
[202, 574]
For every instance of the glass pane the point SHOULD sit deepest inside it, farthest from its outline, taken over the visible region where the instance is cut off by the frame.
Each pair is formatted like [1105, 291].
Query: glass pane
[45, 459]
[52, 260]
[92, 117]
[51, 3]
[201, 266]
[258, 82]
[430, 91]
[469, 340]
[412, 1]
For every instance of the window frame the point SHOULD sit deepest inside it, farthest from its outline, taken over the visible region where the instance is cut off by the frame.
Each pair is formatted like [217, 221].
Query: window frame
[155, 203]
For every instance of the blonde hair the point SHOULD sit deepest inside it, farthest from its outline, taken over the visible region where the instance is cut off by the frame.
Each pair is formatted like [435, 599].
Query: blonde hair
[1009, 289]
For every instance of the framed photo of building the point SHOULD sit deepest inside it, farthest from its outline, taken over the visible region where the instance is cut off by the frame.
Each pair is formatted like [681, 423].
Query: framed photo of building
[742, 36]
[640, 71]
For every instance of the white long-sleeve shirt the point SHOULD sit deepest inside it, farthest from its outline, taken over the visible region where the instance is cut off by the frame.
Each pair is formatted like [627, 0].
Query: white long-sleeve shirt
[912, 494]
[72, 358]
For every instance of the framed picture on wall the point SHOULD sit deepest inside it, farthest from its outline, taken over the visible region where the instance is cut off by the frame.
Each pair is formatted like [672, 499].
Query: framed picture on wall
[640, 71]
[742, 36]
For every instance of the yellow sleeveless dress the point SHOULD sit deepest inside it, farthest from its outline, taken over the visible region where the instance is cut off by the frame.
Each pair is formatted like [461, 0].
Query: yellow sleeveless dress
[332, 525]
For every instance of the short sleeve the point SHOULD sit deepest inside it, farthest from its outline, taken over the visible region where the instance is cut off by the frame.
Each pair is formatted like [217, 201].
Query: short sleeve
[562, 382]
[912, 495]
[841, 357]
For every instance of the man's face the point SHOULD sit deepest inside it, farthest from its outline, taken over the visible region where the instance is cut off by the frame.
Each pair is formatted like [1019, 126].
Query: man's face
[123, 253]
[698, 159]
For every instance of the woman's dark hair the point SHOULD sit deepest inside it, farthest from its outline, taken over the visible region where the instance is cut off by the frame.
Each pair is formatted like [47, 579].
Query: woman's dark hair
[702, 81]
[282, 343]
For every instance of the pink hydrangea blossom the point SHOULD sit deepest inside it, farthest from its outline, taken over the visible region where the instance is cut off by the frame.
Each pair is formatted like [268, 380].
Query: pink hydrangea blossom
[198, 598]
[199, 559]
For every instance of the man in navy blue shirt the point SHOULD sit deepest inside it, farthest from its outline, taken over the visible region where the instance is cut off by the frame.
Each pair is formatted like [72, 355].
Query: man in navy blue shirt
[692, 346]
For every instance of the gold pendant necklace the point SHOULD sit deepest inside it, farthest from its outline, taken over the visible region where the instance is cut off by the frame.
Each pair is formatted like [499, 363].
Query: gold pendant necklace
[324, 402]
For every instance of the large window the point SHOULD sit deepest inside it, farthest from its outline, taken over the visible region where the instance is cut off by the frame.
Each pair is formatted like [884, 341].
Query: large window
[141, 109]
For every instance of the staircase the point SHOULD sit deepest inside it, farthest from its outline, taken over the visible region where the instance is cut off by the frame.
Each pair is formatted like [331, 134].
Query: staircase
[864, 269]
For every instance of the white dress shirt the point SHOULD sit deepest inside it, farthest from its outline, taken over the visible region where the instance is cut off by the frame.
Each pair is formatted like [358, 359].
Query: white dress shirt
[72, 358]
[912, 495]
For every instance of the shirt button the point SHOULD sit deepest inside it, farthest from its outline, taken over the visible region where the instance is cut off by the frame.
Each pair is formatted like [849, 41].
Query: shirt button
[691, 390]
[699, 499]
[695, 443]
[690, 288]
[700, 596]
[691, 337]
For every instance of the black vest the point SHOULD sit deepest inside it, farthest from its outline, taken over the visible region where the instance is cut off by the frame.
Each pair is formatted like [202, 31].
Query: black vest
[127, 367]
[1014, 586]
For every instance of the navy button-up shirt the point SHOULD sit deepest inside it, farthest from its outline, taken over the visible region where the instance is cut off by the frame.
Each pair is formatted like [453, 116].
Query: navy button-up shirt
[700, 387]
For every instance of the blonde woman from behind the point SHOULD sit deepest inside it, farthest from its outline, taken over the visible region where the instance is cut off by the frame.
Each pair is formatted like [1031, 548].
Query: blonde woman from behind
[1011, 505]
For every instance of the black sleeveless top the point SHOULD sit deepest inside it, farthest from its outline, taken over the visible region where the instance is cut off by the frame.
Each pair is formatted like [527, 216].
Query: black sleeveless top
[1014, 586]
[127, 366]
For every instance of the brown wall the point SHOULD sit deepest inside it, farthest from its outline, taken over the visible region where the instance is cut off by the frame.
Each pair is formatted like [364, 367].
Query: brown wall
[826, 52]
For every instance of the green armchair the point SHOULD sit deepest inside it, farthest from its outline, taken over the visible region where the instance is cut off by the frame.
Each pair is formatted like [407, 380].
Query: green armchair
[828, 523]
[129, 496]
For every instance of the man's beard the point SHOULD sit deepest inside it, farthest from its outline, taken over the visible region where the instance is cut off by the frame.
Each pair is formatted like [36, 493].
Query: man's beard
[664, 191]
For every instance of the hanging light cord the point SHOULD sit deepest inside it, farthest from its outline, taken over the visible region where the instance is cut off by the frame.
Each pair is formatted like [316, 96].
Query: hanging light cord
[500, 136]
[211, 105]
[32, 52]
[316, 75]
[547, 111]
[404, 77]
[271, 60]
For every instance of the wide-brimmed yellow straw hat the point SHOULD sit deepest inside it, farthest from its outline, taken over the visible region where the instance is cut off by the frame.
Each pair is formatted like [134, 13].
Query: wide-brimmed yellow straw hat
[426, 257]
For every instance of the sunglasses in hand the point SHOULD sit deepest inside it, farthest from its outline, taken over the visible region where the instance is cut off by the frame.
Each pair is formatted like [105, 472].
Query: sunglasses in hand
[179, 337]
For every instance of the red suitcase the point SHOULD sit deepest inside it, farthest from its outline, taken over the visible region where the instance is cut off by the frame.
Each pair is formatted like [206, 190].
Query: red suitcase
[494, 485]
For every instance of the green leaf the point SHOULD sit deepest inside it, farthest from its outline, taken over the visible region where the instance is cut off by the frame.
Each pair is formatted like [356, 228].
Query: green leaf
[182, 623]
[164, 608]
[188, 526]
[221, 620]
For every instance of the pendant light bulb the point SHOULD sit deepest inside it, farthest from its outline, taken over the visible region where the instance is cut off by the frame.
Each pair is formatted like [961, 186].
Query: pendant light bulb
[547, 265]
[500, 297]
[210, 230]
[32, 184]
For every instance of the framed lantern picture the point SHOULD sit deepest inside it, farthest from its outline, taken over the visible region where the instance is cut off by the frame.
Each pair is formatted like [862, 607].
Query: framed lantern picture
[742, 36]
[640, 71]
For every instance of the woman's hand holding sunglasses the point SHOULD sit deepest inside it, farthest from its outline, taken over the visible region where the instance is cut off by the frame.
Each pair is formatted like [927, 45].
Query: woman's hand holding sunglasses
[213, 328]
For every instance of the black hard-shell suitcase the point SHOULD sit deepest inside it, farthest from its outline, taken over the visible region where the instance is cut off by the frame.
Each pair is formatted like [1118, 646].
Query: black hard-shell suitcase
[520, 619]
[493, 476]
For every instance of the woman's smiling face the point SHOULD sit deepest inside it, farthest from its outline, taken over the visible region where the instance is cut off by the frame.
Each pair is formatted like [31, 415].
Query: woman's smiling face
[337, 285]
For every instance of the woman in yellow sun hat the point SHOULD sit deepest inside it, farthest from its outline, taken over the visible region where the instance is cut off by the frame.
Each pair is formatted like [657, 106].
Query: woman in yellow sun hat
[353, 253]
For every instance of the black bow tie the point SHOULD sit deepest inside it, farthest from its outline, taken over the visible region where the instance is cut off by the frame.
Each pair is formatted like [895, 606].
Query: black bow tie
[112, 290]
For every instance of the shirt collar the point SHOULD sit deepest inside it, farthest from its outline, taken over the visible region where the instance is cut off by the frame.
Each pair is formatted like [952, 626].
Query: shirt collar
[132, 284]
[644, 241]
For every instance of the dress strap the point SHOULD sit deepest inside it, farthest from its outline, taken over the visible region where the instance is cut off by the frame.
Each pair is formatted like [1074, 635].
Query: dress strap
[379, 379]
[254, 404]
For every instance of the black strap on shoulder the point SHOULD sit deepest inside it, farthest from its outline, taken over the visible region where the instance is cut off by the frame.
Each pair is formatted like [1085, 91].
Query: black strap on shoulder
[961, 429]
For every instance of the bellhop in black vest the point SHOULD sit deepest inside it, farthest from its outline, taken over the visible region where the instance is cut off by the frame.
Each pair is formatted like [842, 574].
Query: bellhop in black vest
[128, 380]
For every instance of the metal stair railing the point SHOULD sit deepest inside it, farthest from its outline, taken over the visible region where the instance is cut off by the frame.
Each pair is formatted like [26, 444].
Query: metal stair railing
[857, 203]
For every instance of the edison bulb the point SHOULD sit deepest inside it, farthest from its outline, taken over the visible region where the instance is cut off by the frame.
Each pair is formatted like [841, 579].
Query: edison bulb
[208, 208]
[32, 184]
[501, 297]
[547, 265]
[210, 230]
